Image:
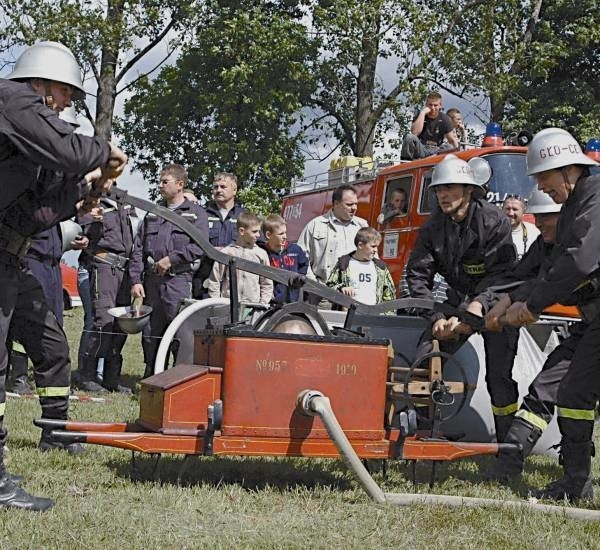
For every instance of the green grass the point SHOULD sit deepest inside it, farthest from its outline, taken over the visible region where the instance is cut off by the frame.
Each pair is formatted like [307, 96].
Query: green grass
[252, 503]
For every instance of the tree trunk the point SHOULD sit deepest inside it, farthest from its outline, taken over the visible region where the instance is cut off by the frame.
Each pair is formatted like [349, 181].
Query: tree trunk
[107, 86]
[497, 108]
[365, 89]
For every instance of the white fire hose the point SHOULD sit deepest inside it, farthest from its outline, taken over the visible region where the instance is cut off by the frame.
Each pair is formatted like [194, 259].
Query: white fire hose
[314, 403]
[163, 349]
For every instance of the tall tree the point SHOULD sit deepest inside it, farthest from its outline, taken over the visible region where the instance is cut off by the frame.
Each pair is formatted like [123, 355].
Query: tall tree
[566, 92]
[109, 39]
[490, 52]
[536, 60]
[357, 105]
[229, 103]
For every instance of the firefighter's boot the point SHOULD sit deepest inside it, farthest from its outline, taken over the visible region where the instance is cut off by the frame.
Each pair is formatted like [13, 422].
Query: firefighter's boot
[49, 443]
[576, 483]
[84, 377]
[149, 370]
[112, 375]
[509, 464]
[18, 367]
[13, 496]
[502, 424]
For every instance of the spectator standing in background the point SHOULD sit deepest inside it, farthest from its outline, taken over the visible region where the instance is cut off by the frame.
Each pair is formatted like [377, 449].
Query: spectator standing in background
[524, 233]
[283, 255]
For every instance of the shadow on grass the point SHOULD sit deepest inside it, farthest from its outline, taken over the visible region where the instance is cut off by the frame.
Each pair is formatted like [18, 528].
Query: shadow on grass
[23, 442]
[250, 473]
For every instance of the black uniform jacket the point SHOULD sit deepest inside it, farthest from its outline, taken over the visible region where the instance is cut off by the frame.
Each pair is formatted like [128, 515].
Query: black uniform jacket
[525, 272]
[572, 276]
[35, 144]
[468, 254]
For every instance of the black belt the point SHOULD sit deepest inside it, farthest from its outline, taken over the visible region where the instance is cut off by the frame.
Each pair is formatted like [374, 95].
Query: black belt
[114, 260]
[173, 270]
[13, 242]
[181, 268]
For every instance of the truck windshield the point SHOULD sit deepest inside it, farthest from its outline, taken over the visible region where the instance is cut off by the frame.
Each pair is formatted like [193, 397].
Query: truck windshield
[509, 177]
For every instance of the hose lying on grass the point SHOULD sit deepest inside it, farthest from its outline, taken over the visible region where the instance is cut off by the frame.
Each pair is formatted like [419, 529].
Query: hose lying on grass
[314, 403]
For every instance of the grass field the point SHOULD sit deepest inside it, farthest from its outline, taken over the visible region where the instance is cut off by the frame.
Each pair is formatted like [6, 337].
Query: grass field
[252, 503]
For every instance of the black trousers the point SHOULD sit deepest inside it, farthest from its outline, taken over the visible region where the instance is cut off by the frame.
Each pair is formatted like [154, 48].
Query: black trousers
[24, 311]
[579, 388]
[540, 402]
[109, 287]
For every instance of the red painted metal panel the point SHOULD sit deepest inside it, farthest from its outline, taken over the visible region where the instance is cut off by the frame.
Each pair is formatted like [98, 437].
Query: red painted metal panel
[263, 377]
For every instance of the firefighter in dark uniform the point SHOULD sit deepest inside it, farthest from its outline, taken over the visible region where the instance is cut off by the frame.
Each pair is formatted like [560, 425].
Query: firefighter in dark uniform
[222, 212]
[43, 259]
[35, 145]
[162, 263]
[537, 407]
[109, 249]
[561, 170]
[467, 241]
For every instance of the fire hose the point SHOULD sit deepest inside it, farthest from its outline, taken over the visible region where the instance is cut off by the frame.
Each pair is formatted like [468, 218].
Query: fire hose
[314, 403]
[163, 349]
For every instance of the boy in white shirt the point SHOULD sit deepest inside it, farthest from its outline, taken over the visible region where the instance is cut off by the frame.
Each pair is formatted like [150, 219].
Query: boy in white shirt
[251, 287]
[360, 274]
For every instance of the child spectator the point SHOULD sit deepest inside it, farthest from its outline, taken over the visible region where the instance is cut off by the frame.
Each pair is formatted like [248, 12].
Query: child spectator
[251, 287]
[284, 256]
[360, 274]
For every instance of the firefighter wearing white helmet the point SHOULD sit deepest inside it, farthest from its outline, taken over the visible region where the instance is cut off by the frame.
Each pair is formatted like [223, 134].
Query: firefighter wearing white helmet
[572, 277]
[43, 260]
[51, 68]
[452, 170]
[537, 408]
[468, 241]
[47, 170]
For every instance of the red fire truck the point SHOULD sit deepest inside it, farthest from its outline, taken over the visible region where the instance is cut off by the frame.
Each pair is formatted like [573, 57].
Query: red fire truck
[375, 183]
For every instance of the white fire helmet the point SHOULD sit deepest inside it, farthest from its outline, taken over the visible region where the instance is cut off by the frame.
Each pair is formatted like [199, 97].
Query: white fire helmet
[541, 203]
[554, 148]
[453, 170]
[50, 61]
[69, 230]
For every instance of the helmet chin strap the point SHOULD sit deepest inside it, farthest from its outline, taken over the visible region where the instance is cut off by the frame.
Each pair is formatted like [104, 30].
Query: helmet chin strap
[48, 97]
[567, 182]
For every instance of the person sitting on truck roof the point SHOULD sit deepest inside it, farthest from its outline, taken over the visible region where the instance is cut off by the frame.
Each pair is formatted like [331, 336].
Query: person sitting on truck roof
[428, 131]
[327, 237]
[360, 274]
[468, 241]
[458, 125]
